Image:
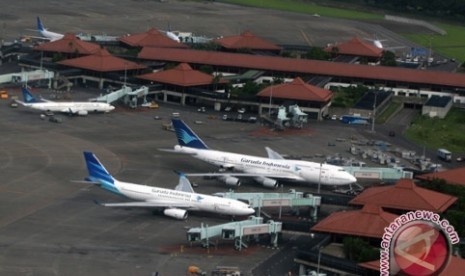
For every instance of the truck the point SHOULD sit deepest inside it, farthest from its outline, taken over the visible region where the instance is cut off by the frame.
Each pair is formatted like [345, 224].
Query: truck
[444, 155]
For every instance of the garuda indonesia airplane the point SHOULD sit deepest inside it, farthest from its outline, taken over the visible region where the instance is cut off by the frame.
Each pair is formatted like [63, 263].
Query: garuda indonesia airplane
[175, 203]
[265, 170]
[73, 108]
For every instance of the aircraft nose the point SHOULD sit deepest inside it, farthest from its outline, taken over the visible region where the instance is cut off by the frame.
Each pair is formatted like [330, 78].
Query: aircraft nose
[248, 210]
[352, 178]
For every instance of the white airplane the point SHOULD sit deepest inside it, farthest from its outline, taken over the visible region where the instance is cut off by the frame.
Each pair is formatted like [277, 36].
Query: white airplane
[175, 202]
[73, 108]
[264, 170]
[47, 34]
[173, 36]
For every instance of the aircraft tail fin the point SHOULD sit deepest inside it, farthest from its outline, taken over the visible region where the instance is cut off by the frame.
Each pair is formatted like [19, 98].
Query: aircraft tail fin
[40, 26]
[97, 172]
[28, 97]
[186, 136]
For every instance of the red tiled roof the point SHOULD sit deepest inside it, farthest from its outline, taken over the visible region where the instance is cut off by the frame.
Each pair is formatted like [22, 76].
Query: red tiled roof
[356, 47]
[69, 44]
[456, 266]
[405, 195]
[102, 61]
[151, 38]
[297, 90]
[182, 75]
[246, 40]
[453, 176]
[367, 222]
[303, 66]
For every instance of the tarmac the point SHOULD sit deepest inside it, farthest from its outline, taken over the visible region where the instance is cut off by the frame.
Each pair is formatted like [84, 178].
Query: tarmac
[50, 225]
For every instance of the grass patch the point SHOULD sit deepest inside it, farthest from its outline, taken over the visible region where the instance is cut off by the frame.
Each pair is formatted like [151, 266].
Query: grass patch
[307, 8]
[347, 96]
[451, 45]
[436, 133]
[383, 117]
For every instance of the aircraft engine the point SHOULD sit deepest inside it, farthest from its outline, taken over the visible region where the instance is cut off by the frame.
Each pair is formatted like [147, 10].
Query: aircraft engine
[175, 213]
[231, 180]
[82, 113]
[267, 182]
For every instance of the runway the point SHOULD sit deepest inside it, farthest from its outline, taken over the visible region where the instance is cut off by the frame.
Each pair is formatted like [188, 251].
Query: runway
[212, 19]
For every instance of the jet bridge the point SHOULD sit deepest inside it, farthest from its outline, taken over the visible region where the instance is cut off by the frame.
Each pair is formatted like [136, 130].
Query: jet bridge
[28, 76]
[291, 199]
[239, 231]
[126, 93]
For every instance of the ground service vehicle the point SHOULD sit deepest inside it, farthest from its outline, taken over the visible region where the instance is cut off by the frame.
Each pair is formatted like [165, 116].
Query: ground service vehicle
[445, 155]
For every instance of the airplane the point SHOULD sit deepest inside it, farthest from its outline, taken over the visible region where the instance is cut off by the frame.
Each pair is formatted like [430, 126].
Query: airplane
[173, 36]
[176, 203]
[47, 34]
[73, 108]
[264, 170]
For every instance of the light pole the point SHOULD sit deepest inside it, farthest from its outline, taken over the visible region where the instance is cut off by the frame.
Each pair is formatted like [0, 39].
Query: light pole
[374, 113]
[271, 96]
[125, 73]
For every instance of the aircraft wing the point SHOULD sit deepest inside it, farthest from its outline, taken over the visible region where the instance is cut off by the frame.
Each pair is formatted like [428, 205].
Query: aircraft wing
[147, 204]
[37, 37]
[45, 100]
[184, 185]
[273, 154]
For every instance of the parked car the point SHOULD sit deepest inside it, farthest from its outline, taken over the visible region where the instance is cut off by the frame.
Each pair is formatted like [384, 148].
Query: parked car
[241, 110]
[201, 109]
[14, 104]
[252, 119]
[54, 119]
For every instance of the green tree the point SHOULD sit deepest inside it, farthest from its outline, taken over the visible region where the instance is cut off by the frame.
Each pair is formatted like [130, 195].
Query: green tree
[318, 54]
[250, 88]
[208, 69]
[388, 59]
[359, 250]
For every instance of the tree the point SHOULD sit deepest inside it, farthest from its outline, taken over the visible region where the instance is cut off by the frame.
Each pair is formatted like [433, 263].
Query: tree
[359, 250]
[388, 59]
[208, 69]
[250, 88]
[317, 53]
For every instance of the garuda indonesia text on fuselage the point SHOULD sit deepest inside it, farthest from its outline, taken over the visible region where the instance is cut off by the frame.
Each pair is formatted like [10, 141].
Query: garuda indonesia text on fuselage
[264, 170]
[175, 203]
[74, 108]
